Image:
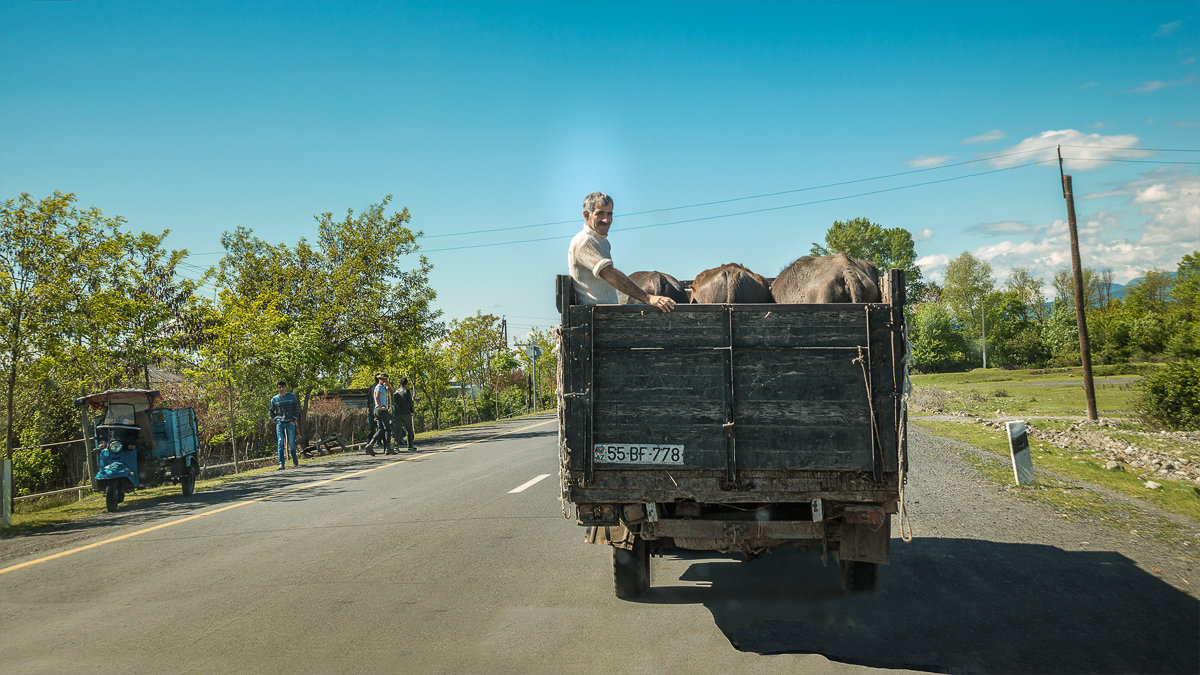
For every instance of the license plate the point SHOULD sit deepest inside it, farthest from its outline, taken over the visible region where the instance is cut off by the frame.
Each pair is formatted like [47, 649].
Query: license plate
[631, 453]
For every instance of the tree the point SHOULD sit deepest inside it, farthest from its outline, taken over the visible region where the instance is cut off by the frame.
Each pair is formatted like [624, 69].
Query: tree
[236, 357]
[886, 247]
[1186, 291]
[546, 372]
[90, 303]
[1151, 293]
[429, 370]
[472, 343]
[349, 299]
[1013, 336]
[937, 343]
[968, 283]
[1028, 290]
[1097, 287]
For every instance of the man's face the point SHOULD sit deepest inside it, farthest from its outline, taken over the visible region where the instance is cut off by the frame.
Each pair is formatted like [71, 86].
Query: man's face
[282, 389]
[600, 219]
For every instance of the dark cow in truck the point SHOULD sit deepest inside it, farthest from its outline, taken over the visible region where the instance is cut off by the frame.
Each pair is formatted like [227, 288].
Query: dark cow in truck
[730, 283]
[655, 283]
[827, 279]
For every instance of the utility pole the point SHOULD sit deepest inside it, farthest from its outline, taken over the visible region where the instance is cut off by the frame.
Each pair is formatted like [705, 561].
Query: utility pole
[1085, 351]
[983, 328]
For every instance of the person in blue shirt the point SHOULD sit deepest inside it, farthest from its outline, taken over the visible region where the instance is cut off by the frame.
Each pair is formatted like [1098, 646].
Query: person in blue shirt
[285, 408]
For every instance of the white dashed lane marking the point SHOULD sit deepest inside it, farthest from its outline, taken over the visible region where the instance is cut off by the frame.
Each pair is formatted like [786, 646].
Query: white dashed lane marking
[529, 483]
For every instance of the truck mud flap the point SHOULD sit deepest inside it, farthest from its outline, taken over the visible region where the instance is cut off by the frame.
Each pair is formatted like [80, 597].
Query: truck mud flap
[609, 535]
[866, 543]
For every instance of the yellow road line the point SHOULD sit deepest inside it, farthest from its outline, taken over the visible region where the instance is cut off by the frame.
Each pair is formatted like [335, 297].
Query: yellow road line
[130, 535]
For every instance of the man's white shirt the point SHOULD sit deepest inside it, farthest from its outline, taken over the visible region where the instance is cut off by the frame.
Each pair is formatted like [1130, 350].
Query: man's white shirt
[588, 255]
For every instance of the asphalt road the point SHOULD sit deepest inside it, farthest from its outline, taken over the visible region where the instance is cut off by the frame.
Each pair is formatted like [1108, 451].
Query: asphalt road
[436, 563]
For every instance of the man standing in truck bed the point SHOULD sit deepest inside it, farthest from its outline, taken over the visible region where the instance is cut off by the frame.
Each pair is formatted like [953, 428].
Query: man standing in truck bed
[589, 260]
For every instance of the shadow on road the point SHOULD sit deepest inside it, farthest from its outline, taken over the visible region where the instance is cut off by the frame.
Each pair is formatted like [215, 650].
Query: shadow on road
[956, 606]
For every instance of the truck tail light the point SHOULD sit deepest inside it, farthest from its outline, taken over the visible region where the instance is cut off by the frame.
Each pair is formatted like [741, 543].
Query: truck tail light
[864, 515]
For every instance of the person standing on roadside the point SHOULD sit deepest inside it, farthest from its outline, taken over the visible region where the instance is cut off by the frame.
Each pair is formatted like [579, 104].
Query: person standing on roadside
[403, 406]
[285, 407]
[380, 395]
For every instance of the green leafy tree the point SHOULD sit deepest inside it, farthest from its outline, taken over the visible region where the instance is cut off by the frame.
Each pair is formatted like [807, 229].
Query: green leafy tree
[1014, 339]
[1097, 287]
[1171, 396]
[967, 284]
[429, 368]
[1028, 290]
[1186, 289]
[1151, 293]
[235, 357]
[937, 342]
[350, 298]
[886, 247]
[472, 342]
[546, 371]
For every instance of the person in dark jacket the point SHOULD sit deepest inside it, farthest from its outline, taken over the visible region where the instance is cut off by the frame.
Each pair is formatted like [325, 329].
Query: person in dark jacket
[403, 406]
[285, 408]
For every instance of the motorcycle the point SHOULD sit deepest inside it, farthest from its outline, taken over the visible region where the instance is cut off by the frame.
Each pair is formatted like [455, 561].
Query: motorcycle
[140, 445]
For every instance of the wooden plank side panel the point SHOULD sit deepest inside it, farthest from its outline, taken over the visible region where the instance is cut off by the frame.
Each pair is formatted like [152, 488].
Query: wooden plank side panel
[663, 397]
[578, 374]
[642, 327]
[801, 410]
[803, 326]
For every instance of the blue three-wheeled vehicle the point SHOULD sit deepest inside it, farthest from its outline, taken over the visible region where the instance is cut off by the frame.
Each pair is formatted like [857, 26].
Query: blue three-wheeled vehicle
[141, 446]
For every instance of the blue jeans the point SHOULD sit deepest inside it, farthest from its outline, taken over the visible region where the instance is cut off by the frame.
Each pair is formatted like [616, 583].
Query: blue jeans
[285, 433]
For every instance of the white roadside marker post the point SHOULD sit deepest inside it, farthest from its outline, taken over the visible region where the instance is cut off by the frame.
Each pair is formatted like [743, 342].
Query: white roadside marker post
[1022, 458]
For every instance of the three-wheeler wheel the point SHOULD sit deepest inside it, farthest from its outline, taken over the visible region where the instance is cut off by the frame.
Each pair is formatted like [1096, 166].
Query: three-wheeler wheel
[858, 577]
[112, 495]
[188, 481]
[631, 569]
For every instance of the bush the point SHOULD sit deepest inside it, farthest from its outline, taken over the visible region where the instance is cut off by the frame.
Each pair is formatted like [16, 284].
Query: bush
[1171, 397]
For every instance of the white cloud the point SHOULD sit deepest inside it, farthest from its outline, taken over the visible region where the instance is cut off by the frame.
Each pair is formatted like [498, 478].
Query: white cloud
[933, 266]
[926, 161]
[986, 137]
[1089, 85]
[1080, 151]
[1172, 208]
[1154, 193]
[1168, 28]
[1155, 85]
[924, 235]
[1170, 229]
[1003, 228]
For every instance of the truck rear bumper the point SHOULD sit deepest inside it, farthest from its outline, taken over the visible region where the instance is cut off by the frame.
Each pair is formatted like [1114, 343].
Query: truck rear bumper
[725, 530]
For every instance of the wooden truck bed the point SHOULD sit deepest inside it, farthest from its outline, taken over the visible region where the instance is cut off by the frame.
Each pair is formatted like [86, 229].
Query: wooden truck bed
[731, 403]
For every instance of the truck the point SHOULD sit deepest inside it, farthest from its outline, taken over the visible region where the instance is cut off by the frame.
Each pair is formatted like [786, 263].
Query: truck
[734, 428]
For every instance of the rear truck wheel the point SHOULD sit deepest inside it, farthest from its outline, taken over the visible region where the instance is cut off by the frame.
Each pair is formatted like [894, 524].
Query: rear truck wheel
[631, 570]
[112, 495]
[188, 481]
[858, 577]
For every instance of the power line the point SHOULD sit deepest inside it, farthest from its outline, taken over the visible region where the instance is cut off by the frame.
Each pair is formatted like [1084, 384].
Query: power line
[1126, 161]
[1093, 147]
[753, 211]
[749, 197]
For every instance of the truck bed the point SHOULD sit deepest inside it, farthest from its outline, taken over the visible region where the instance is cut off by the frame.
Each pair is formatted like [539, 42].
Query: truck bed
[763, 402]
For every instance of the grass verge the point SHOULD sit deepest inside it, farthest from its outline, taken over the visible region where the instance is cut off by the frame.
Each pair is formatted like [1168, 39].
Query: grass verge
[1063, 479]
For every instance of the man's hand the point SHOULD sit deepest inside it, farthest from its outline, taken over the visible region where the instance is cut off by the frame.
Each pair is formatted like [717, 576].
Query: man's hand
[662, 302]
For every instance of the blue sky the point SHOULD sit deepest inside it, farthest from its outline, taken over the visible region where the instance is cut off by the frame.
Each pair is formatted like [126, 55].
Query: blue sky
[199, 117]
